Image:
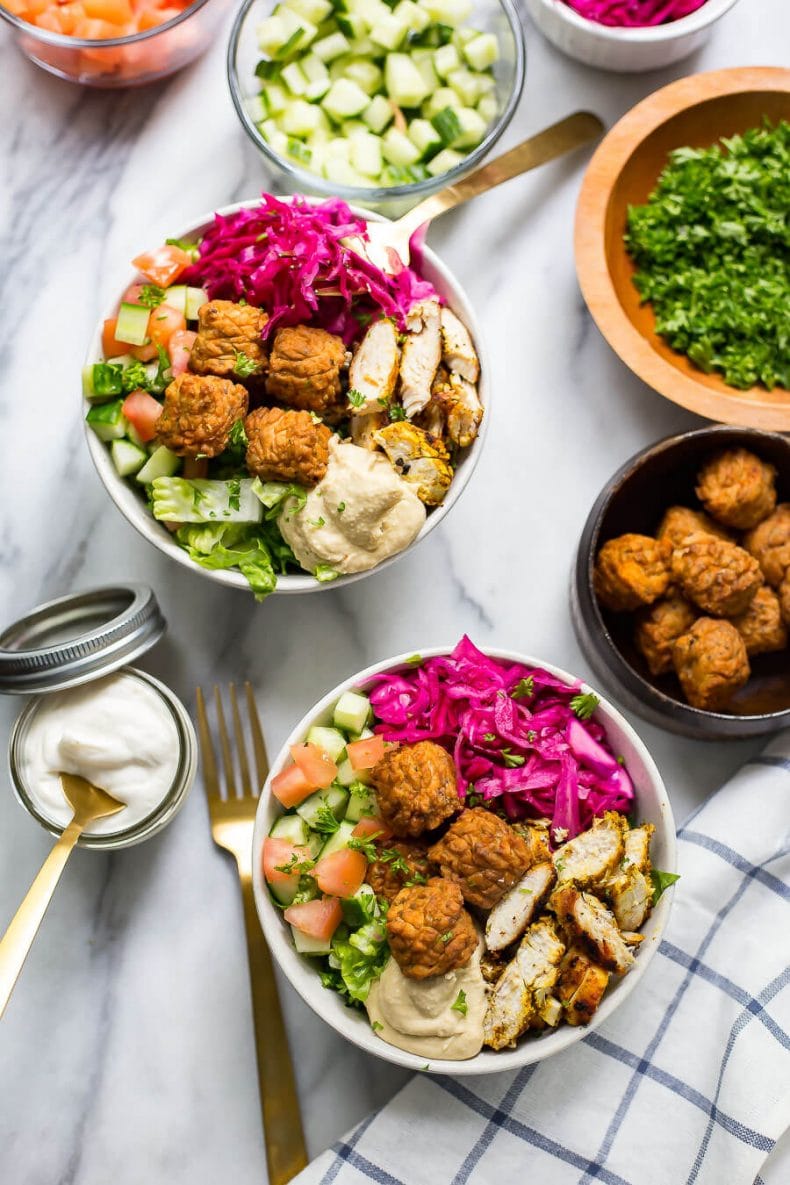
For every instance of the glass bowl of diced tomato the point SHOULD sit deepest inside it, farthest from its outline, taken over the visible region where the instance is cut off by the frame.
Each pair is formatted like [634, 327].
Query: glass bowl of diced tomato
[113, 43]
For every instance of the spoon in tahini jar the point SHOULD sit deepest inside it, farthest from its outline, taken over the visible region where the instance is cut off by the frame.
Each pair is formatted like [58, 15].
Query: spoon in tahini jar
[386, 238]
[89, 803]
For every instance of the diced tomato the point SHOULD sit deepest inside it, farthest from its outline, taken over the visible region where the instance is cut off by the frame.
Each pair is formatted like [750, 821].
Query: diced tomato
[291, 786]
[163, 323]
[118, 12]
[147, 353]
[341, 873]
[163, 265]
[369, 826]
[142, 411]
[318, 919]
[179, 348]
[132, 293]
[315, 764]
[365, 754]
[110, 347]
[278, 853]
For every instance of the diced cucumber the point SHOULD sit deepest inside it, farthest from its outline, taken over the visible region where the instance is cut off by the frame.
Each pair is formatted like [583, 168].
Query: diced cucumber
[444, 161]
[300, 118]
[378, 113]
[447, 125]
[448, 12]
[161, 463]
[306, 945]
[338, 149]
[344, 99]
[277, 139]
[445, 96]
[257, 108]
[336, 798]
[339, 840]
[473, 128]
[294, 77]
[405, 84]
[360, 806]
[352, 128]
[445, 59]
[424, 137]
[313, 68]
[202, 500]
[127, 457]
[398, 148]
[313, 10]
[488, 108]
[176, 297]
[350, 25]
[102, 380]
[107, 420]
[352, 712]
[197, 297]
[414, 17]
[366, 154]
[482, 51]
[389, 32]
[343, 173]
[316, 90]
[365, 74]
[291, 828]
[429, 75]
[331, 47]
[135, 437]
[363, 47]
[359, 909]
[284, 32]
[466, 85]
[331, 740]
[347, 775]
[132, 324]
[463, 34]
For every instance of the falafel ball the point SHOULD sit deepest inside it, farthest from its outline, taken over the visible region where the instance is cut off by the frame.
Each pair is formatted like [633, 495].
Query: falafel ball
[737, 488]
[304, 368]
[416, 788]
[429, 931]
[229, 341]
[769, 543]
[631, 571]
[680, 521]
[761, 626]
[720, 577]
[658, 628]
[483, 854]
[286, 446]
[198, 414]
[783, 593]
[388, 877]
[711, 663]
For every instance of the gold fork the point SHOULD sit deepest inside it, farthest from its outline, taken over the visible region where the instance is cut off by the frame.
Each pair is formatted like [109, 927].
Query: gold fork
[232, 820]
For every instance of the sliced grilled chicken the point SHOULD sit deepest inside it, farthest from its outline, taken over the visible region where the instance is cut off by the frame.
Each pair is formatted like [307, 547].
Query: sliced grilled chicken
[594, 854]
[637, 847]
[510, 917]
[581, 986]
[432, 418]
[421, 355]
[524, 986]
[632, 939]
[630, 895]
[458, 353]
[594, 925]
[550, 1012]
[363, 429]
[464, 410]
[537, 838]
[420, 459]
[374, 368]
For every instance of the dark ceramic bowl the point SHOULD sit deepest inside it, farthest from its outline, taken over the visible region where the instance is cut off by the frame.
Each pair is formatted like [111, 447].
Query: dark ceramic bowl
[634, 500]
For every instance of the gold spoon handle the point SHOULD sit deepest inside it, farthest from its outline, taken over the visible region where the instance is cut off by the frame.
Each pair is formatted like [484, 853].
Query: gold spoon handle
[554, 141]
[18, 938]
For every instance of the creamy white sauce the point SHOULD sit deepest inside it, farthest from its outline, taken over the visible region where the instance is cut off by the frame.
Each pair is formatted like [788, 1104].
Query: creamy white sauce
[360, 513]
[118, 733]
[418, 1015]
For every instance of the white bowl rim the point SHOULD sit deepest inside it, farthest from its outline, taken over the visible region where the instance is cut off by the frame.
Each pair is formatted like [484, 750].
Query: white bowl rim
[305, 980]
[137, 514]
[710, 11]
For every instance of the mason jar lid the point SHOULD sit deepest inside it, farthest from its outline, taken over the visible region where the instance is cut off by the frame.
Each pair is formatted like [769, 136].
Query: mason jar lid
[77, 638]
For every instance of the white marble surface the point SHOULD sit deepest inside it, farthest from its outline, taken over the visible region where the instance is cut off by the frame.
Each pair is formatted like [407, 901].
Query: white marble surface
[126, 1053]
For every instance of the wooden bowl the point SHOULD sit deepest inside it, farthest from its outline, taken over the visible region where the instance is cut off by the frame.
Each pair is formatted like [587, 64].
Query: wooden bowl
[694, 111]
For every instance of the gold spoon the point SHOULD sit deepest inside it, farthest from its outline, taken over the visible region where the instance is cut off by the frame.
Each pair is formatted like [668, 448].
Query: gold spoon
[554, 141]
[89, 803]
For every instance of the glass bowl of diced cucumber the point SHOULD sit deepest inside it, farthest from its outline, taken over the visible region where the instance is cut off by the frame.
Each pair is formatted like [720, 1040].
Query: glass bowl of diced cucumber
[380, 102]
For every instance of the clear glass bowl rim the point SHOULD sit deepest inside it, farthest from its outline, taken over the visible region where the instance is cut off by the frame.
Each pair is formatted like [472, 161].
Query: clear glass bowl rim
[378, 195]
[65, 42]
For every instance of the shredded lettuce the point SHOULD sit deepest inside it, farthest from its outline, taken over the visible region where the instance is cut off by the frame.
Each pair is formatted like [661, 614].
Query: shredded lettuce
[517, 734]
[273, 494]
[258, 552]
[634, 14]
[200, 500]
[290, 258]
[357, 959]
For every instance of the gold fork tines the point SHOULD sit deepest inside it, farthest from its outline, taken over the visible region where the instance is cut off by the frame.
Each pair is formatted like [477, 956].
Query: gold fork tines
[232, 812]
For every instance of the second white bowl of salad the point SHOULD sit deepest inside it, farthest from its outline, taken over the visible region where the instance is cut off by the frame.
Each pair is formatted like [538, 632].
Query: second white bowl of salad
[267, 406]
[460, 857]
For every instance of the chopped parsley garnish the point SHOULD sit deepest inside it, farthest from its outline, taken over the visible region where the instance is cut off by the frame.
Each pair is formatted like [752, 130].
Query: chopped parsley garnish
[341, 507]
[489, 737]
[325, 573]
[661, 882]
[244, 366]
[447, 936]
[234, 493]
[376, 1026]
[355, 397]
[389, 856]
[316, 522]
[532, 736]
[296, 864]
[396, 413]
[191, 249]
[524, 689]
[151, 296]
[460, 1004]
[512, 760]
[324, 820]
[585, 705]
[414, 660]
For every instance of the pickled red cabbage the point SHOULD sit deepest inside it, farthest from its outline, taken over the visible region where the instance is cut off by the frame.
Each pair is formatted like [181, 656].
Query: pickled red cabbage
[634, 14]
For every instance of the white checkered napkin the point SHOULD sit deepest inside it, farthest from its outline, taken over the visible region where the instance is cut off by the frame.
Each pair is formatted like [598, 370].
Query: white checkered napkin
[687, 1084]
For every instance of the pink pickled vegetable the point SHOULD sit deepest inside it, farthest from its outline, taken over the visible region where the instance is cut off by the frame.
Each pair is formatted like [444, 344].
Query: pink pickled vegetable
[289, 258]
[634, 14]
[514, 732]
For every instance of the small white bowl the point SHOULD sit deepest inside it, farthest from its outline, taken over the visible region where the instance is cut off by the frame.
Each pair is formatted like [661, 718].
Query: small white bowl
[133, 508]
[652, 807]
[625, 50]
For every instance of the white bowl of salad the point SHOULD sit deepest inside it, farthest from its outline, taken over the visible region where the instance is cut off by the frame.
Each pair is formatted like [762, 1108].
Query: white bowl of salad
[267, 406]
[460, 859]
